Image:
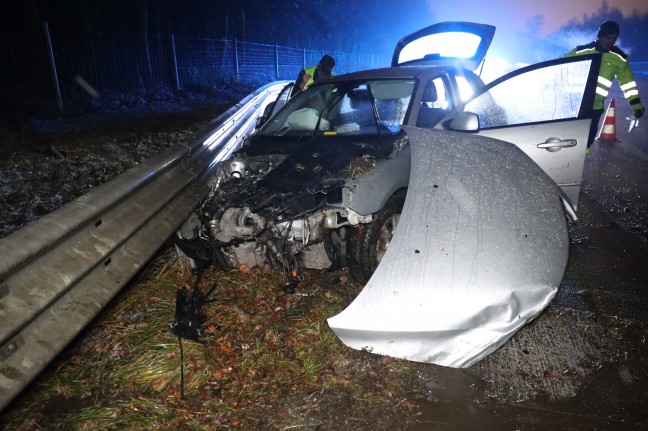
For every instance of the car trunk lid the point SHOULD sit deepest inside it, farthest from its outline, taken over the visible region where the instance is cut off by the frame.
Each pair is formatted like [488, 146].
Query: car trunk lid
[452, 43]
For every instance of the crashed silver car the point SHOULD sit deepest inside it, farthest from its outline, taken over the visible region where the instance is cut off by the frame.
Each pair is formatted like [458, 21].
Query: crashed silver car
[477, 178]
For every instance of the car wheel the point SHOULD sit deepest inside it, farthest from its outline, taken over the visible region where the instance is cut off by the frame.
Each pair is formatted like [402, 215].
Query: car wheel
[369, 242]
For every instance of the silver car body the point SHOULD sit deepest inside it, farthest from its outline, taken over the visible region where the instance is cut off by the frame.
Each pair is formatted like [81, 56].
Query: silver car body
[489, 170]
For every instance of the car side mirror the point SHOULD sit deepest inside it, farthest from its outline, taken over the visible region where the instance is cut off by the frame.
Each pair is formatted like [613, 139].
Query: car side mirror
[465, 122]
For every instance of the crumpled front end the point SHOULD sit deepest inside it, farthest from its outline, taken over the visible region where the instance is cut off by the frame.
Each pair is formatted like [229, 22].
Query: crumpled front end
[480, 250]
[285, 211]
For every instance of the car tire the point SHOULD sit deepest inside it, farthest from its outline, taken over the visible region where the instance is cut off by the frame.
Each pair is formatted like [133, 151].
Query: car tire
[368, 243]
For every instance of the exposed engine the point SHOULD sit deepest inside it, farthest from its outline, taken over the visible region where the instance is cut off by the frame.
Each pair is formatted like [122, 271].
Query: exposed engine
[248, 219]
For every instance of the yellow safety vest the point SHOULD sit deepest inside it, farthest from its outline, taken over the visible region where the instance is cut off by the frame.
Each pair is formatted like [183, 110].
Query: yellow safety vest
[614, 64]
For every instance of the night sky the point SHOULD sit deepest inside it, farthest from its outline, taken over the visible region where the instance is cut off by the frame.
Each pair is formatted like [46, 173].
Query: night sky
[540, 30]
[527, 32]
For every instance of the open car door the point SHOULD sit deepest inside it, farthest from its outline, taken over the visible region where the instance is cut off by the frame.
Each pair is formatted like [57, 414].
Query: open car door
[545, 110]
[447, 43]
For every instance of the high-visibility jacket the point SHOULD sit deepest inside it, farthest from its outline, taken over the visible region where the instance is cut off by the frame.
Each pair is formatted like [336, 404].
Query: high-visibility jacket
[312, 71]
[614, 64]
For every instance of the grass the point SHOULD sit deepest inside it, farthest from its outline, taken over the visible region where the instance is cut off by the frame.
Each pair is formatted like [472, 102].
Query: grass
[270, 361]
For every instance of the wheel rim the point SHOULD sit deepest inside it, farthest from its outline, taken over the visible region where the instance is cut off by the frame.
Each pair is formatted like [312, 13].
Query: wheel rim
[385, 236]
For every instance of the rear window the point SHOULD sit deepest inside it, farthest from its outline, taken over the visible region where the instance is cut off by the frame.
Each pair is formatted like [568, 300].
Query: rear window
[441, 45]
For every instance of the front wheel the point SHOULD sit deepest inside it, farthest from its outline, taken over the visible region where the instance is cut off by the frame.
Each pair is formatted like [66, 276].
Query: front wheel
[370, 242]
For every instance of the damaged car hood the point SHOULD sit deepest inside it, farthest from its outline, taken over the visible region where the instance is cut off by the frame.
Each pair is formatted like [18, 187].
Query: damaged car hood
[480, 250]
[314, 160]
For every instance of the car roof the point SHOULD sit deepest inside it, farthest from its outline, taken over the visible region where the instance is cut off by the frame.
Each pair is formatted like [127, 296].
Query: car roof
[414, 72]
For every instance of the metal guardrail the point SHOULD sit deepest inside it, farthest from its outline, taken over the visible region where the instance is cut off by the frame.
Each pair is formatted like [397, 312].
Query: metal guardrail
[59, 272]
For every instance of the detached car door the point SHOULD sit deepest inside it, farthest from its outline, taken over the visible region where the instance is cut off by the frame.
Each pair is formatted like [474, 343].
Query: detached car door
[544, 109]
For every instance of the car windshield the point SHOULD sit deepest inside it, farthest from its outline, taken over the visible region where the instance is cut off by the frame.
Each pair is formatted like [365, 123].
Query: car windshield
[376, 107]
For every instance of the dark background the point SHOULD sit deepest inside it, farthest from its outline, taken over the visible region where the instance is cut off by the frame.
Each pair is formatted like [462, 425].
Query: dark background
[339, 25]
[354, 28]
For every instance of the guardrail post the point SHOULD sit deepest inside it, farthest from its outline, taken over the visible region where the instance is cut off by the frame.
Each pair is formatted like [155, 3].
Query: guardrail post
[52, 61]
[175, 62]
[236, 60]
[277, 62]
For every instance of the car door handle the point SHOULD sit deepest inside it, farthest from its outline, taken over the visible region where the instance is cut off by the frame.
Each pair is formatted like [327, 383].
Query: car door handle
[555, 144]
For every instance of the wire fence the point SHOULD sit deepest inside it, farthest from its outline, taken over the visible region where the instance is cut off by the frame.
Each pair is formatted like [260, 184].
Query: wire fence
[63, 72]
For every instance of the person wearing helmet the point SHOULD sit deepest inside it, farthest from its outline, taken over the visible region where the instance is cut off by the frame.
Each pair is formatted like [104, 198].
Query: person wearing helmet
[614, 64]
[322, 71]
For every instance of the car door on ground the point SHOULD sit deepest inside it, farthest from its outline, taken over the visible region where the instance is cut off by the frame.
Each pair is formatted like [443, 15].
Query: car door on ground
[545, 110]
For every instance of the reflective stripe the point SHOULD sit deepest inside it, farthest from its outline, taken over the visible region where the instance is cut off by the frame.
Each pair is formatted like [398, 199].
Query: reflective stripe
[631, 93]
[586, 50]
[604, 81]
[620, 56]
[628, 85]
[601, 91]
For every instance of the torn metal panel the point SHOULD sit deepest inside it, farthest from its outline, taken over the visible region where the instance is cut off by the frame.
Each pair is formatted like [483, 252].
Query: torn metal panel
[480, 250]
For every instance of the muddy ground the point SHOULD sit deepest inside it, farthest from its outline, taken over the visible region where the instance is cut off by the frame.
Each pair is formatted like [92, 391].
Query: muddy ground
[48, 161]
[579, 366]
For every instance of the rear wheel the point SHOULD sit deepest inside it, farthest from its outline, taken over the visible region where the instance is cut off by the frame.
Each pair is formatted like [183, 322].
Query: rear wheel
[370, 242]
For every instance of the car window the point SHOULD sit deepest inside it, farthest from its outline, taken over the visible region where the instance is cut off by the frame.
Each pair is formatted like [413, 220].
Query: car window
[546, 94]
[345, 108]
[451, 44]
[466, 90]
[434, 103]
[374, 107]
[301, 114]
[434, 95]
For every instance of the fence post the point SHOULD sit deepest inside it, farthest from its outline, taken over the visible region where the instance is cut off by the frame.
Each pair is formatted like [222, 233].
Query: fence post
[236, 60]
[175, 62]
[50, 51]
[277, 62]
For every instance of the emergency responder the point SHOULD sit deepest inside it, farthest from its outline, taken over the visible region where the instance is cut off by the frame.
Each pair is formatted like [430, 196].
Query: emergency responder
[614, 64]
[323, 70]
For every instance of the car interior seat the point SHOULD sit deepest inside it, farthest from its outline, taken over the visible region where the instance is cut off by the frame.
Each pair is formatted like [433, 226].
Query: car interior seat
[428, 115]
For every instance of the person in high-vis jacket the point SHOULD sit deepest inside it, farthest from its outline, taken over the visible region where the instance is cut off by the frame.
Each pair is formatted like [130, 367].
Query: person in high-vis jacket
[323, 70]
[614, 64]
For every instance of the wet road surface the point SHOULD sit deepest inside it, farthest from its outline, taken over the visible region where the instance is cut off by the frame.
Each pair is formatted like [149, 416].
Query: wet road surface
[583, 363]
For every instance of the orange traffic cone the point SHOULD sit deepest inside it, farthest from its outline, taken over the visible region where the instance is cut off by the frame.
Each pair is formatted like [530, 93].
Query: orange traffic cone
[608, 131]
